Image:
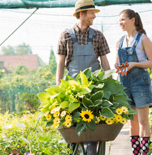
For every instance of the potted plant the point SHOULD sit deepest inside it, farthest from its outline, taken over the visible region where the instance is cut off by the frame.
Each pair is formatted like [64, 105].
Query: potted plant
[79, 107]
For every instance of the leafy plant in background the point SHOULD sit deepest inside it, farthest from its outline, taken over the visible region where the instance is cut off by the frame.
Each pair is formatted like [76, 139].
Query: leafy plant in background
[16, 138]
[31, 101]
[90, 99]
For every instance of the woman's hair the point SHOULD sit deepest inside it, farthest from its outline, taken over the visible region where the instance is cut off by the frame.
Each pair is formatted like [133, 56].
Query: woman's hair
[138, 23]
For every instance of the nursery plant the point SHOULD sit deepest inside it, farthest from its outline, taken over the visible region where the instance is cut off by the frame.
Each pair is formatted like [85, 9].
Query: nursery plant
[90, 99]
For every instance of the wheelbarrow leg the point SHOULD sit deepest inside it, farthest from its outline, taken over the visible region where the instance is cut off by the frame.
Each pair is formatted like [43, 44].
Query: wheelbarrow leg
[76, 148]
[101, 149]
[82, 148]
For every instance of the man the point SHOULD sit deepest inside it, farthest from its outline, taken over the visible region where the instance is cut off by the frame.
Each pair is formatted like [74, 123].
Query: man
[81, 46]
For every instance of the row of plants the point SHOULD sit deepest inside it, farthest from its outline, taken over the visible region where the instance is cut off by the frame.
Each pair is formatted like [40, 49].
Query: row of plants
[22, 135]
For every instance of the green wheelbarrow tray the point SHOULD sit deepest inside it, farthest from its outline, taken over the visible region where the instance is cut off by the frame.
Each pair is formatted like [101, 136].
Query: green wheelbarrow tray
[102, 133]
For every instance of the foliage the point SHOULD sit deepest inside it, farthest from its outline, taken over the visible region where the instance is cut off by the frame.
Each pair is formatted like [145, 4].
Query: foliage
[2, 73]
[31, 101]
[52, 62]
[20, 49]
[90, 99]
[13, 85]
[16, 133]
[18, 70]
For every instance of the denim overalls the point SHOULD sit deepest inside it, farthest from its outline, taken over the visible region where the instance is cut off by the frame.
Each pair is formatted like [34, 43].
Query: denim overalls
[83, 55]
[137, 81]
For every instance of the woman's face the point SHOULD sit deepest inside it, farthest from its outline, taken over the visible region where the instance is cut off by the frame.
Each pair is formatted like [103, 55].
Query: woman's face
[125, 23]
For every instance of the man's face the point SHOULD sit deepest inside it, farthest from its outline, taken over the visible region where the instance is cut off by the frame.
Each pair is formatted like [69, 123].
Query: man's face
[89, 17]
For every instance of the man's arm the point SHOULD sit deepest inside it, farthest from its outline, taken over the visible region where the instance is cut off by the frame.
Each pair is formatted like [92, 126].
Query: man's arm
[60, 68]
[104, 62]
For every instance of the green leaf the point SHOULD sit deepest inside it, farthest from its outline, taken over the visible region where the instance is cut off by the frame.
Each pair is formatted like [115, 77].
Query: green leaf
[84, 90]
[86, 102]
[121, 100]
[80, 127]
[131, 117]
[97, 96]
[64, 104]
[97, 72]
[48, 124]
[67, 78]
[91, 125]
[106, 112]
[73, 106]
[98, 102]
[53, 90]
[106, 93]
[64, 83]
[40, 114]
[76, 115]
[44, 97]
[111, 87]
[84, 79]
[101, 74]
[87, 72]
[106, 103]
[45, 108]
[131, 111]
[108, 73]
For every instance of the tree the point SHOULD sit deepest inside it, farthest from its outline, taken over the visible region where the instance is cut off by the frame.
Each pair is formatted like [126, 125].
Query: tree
[52, 62]
[9, 50]
[23, 49]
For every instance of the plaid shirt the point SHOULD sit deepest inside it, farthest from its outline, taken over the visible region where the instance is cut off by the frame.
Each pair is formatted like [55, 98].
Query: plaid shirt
[65, 43]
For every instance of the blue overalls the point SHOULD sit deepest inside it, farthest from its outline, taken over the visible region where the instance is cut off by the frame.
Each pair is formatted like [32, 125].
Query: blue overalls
[83, 55]
[137, 81]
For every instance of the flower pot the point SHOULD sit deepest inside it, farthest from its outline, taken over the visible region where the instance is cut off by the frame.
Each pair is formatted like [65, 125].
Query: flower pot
[102, 132]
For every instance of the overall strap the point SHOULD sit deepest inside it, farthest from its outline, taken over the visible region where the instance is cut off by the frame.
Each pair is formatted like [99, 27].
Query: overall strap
[136, 41]
[121, 42]
[91, 34]
[72, 33]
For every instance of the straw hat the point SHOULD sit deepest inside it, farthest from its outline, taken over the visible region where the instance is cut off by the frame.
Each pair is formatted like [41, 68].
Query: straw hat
[82, 5]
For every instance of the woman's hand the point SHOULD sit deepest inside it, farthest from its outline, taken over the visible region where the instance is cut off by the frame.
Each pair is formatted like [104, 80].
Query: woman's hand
[116, 65]
[131, 65]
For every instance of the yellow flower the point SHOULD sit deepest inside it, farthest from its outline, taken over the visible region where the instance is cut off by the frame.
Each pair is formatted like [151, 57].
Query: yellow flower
[68, 118]
[56, 120]
[119, 111]
[56, 114]
[4, 149]
[102, 118]
[67, 124]
[48, 117]
[109, 121]
[63, 113]
[118, 118]
[125, 109]
[123, 121]
[98, 120]
[87, 115]
[56, 125]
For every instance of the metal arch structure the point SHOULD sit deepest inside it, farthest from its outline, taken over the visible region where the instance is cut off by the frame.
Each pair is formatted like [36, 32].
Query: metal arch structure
[8, 4]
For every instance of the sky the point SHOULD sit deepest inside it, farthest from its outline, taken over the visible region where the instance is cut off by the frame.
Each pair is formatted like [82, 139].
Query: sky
[42, 30]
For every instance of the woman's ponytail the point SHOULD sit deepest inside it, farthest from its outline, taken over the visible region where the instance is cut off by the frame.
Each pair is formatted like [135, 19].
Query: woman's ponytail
[138, 24]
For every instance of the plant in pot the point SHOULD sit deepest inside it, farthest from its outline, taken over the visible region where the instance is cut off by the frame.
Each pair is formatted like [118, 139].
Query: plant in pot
[89, 101]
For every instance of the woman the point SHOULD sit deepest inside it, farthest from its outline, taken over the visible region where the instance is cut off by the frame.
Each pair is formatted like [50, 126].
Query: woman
[136, 49]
